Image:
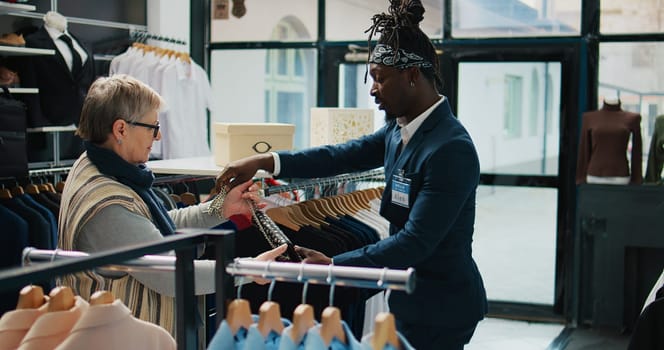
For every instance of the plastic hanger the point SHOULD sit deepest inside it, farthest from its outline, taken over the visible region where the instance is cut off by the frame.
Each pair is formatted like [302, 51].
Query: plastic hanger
[385, 332]
[60, 299]
[239, 312]
[102, 297]
[269, 314]
[331, 317]
[30, 297]
[303, 315]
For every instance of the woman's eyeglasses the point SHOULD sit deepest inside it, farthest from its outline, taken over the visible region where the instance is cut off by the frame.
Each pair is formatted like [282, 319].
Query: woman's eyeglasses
[154, 127]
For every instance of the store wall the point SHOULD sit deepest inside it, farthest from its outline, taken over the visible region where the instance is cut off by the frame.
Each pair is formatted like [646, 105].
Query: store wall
[170, 18]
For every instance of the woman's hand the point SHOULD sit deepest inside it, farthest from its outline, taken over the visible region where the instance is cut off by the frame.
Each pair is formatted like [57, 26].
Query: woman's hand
[268, 256]
[237, 201]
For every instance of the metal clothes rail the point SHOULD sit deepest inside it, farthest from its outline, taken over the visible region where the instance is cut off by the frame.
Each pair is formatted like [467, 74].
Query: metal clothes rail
[363, 277]
[311, 183]
[184, 243]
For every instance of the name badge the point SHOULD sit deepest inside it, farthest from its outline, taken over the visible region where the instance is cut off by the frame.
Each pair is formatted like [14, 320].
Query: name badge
[400, 190]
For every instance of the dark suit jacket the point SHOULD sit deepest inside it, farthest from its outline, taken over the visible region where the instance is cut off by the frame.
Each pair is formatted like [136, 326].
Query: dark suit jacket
[434, 234]
[61, 95]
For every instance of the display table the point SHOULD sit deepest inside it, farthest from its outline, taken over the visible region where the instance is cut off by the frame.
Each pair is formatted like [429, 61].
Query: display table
[199, 166]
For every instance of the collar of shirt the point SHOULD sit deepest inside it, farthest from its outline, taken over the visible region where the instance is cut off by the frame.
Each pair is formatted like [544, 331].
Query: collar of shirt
[54, 33]
[409, 129]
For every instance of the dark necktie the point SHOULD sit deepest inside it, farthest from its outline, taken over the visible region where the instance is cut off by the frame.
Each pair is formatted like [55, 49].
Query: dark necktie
[76, 58]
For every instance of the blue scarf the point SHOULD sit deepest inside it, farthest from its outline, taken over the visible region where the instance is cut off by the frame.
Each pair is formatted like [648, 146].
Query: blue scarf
[138, 178]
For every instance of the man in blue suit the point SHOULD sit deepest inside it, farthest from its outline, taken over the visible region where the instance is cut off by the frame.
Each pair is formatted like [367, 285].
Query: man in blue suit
[431, 172]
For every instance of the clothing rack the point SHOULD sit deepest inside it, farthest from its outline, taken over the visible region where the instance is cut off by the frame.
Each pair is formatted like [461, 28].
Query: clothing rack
[48, 171]
[142, 36]
[362, 277]
[184, 243]
[366, 175]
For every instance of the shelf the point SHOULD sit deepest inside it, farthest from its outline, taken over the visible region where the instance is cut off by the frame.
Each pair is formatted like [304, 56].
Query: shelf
[23, 51]
[7, 7]
[86, 21]
[23, 90]
[53, 128]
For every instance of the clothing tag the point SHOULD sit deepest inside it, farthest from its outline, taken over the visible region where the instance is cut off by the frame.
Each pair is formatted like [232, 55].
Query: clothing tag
[400, 189]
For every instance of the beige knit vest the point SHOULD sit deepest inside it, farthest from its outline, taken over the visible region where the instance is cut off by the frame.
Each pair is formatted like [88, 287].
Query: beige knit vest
[86, 192]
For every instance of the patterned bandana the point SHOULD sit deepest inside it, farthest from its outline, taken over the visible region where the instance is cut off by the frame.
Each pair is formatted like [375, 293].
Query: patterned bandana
[385, 55]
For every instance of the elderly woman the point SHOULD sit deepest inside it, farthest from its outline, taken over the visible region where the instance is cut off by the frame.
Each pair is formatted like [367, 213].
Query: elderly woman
[108, 202]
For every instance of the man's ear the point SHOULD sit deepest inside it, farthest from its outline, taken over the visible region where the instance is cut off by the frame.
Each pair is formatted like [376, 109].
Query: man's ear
[413, 74]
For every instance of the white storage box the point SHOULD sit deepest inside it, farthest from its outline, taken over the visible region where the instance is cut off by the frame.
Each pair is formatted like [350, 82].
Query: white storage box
[233, 141]
[337, 125]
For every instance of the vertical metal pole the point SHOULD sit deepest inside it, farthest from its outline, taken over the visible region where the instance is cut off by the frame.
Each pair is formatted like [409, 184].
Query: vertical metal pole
[185, 300]
[224, 252]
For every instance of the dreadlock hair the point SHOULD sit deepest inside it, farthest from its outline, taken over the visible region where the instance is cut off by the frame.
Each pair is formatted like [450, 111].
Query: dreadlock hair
[400, 28]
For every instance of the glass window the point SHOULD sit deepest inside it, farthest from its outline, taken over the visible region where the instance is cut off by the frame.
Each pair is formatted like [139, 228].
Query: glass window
[622, 17]
[239, 88]
[630, 72]
[513, 99]
[515, 18]
[491, 106]
[354, 92]
[347, 20]
[514, 243]
[261, 19]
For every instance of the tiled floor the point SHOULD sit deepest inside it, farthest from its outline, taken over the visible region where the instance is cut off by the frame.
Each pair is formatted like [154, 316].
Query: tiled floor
[499, 334]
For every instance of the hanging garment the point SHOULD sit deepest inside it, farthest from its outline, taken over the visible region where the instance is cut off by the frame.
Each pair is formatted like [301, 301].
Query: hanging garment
[256, 341]
[224, 339]
[15, 324]
[656, 153]
[315, 342]
[111, 327]
[12, 244]
[52, 328]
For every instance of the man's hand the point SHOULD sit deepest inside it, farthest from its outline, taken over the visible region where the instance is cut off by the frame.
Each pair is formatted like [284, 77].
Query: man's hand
[240, 171]
[313, 256]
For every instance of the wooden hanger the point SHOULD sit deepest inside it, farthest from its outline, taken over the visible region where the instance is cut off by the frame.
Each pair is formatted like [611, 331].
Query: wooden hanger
[102, 297]
[32, 189]
[269, 318]
[385, 332]
[280, 216]
[176, 198]
[188, 198]
[30, 297]
[303, 319]
[239, 315]
[60, 186]
[303, 216]
[5, 193]
[331, 326]
[17, 190]
[43, 188]
[61, 299]
[51, 188]
[310, 210]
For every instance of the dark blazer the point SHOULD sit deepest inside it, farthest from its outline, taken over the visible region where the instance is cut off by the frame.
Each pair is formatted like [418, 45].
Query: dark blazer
[61, 95]
[434, 234]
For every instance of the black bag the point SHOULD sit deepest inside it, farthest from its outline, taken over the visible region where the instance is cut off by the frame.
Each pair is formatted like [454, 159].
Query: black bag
[13, 148]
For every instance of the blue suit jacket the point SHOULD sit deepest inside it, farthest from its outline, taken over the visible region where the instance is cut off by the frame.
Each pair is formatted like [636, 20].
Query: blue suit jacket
[434, 234]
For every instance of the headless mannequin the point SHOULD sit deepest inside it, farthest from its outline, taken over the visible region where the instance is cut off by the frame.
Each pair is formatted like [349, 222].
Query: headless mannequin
[56, 25]
[604, 143]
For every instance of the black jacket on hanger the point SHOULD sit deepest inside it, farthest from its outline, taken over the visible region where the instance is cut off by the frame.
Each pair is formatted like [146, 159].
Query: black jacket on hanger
[61, 95]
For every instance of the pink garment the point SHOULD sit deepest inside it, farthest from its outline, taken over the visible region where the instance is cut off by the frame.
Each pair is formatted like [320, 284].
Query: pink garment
[53, 327]
[111, 326]
[15, 324]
